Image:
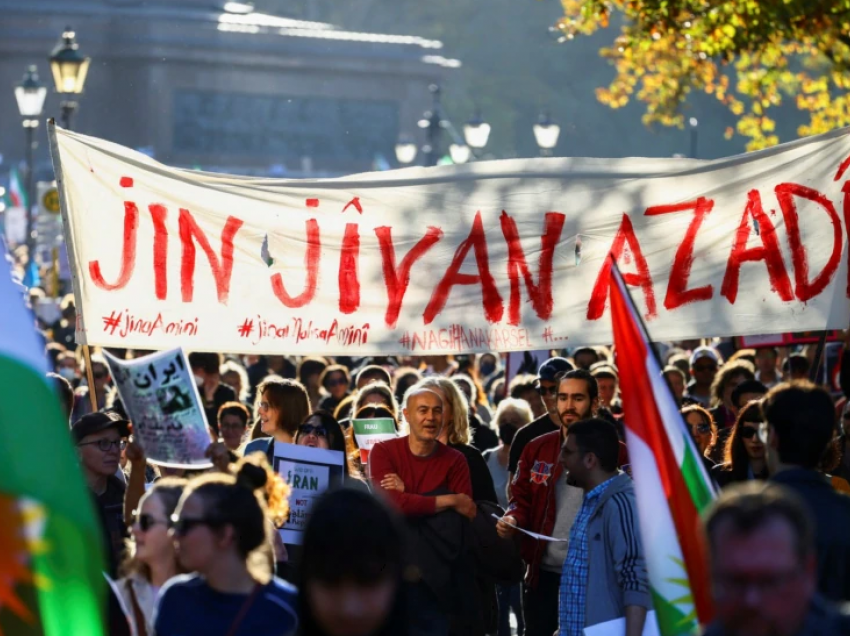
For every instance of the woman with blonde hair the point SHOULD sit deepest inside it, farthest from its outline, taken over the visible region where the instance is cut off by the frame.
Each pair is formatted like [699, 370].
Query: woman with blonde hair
[221, 523]
[153, 560]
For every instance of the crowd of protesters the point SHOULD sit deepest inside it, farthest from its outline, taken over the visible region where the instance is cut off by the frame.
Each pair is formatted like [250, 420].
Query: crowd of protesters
[424, 538]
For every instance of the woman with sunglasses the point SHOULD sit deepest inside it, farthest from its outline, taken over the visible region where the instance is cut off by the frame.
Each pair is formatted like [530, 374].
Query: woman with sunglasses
[221, 523]
[336, 381]
[321, 430]
[704, 432]
[153, 560]
[745, 451]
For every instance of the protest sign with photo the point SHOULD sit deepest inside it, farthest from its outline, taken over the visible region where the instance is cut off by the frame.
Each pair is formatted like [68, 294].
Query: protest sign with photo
[309, 472]
[488, 256]
[162, 401]
[369, 432]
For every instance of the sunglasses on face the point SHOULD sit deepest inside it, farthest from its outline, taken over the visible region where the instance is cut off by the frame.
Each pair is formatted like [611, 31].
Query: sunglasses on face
[105, 444]
[318, 431]
[704, 428]
[232, 426]
[147, 521]
[705, 367]
[748, 432]
[182, 526]
[547, 390]
[99, 375]
[336, 382]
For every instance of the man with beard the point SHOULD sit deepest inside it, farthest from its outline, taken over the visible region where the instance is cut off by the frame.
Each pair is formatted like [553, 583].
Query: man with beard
[547, 388]
[764, 568]
[543, 502]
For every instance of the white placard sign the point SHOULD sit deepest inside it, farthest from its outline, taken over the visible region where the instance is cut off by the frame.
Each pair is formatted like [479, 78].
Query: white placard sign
[488, 256]
[309, 473]
[162, 401]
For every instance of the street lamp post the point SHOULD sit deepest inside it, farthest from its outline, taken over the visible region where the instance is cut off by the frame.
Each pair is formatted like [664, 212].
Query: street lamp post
[69, 69]
[30, 94]
[546, 133]
[694, 136]
[476, 132]
[433, 123]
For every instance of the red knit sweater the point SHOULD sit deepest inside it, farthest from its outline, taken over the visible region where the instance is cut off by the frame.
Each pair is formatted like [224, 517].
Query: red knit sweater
[444, 468]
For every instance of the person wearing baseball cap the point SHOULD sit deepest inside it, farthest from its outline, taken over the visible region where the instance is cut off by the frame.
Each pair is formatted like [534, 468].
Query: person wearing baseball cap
[99, 438]
[547, 388]
[704, 364]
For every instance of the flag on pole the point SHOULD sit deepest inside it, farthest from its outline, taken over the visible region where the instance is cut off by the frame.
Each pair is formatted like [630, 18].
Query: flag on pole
[50, 548]
[17, 191]
[672, 486]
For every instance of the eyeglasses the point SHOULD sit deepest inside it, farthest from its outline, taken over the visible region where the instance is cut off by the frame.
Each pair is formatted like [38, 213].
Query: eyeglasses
[318, 431]
[106, 444]
[182, 526]
[147, 521]
[336, 382]
[748, 432]
[704, 428]
[705, 367]
[547, 390]
[231, 426]
[264, 406]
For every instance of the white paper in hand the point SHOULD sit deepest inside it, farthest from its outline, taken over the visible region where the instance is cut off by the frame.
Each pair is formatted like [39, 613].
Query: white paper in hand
[617, 627]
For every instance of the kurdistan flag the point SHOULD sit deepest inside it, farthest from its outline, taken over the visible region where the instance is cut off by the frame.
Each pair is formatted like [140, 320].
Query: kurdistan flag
[672, 486]
[17, 191]
[50, 548]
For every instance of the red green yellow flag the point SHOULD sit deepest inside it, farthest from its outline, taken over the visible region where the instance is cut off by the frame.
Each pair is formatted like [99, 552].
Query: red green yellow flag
[51, 562]
[672, 486]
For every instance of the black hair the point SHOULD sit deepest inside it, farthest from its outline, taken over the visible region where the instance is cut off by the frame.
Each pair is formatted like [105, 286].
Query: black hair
[802, 414]
[65, 392]
[371, 549]
[747, 386]
[582, 374]
[599, 437]
[796, 363]
[373, 370]
[312, 365]
[207, 362]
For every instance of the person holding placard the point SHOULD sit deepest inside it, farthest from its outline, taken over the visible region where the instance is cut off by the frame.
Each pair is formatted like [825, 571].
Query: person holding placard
[220, 522]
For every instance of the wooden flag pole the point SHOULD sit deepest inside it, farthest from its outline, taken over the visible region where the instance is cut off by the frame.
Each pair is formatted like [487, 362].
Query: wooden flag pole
[90, 378]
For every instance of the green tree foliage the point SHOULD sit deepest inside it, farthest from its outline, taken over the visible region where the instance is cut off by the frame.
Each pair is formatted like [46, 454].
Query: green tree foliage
[753, 56]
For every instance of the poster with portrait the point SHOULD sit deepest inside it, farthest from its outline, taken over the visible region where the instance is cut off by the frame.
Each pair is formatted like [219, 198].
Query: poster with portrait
[162, 401]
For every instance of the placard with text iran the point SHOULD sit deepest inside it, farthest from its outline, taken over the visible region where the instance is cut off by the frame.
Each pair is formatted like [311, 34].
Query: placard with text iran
[497, 255]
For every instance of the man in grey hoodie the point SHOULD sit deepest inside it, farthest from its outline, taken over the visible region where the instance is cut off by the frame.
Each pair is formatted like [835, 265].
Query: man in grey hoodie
[604, 576]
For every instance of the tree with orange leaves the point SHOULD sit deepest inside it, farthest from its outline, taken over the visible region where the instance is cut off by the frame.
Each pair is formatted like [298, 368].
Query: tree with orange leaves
[751, 55]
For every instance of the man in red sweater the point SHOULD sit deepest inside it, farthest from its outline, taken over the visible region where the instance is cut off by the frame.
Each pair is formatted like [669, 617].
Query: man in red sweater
[423, 477]
[406, 468]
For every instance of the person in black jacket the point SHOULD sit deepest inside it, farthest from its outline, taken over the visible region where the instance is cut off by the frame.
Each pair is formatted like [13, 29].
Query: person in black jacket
[799, 418]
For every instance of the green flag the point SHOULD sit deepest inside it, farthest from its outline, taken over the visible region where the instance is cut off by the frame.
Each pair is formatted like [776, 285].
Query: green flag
[51, 562]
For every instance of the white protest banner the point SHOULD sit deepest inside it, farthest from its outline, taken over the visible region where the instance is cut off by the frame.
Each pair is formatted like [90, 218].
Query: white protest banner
[309, 472]
[162, 401]
[492, 255]
[369, 432]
